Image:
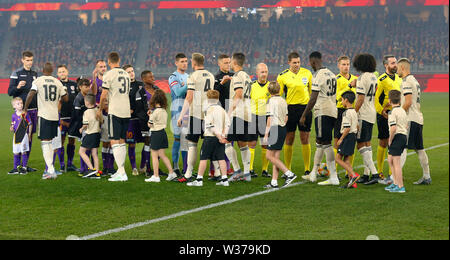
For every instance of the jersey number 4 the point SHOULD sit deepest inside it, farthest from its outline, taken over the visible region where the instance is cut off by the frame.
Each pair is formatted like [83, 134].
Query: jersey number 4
[50, 92]
[371, 92]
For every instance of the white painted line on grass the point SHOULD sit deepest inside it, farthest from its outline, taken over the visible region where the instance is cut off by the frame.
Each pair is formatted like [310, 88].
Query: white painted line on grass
[186, 212]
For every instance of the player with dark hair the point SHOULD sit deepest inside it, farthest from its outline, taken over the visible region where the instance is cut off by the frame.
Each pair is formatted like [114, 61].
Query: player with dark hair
[323, 100]
[240, 113]
[295, 83]
[49, 92]
[19, 86]
[366, 85]
[134, 130]
[65, 118]
[386, 82]
[178, 90]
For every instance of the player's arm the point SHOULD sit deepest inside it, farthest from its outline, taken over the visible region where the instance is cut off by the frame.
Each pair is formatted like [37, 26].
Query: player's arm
[94, 86]
[239, 93]
[15, 86]
[187, 103]
[101, 105]
[309, 107]
[30, 97]
[177, 87]
[407, 93]
[360, 95]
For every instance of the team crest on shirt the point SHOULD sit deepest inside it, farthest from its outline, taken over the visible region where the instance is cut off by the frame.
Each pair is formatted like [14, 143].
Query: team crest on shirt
[72, 88]
[305, 81]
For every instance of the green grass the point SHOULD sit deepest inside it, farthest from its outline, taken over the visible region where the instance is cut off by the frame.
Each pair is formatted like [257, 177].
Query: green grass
[31, 208]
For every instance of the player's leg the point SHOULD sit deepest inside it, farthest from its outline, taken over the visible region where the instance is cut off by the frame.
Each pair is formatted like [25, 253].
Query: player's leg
[326, 136]
[288, 149]
[176, 152]
[61, 150]
[252, 147]
[70, 154]
[265, 162]
[117, 133]
[318, 155]
[383, 135]
[34, 121]
[201, 170]
[304, 139]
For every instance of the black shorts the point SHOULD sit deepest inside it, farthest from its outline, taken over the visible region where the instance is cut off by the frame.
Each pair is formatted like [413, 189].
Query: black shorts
[257, 127]
[295, 112]
[347, 147]
[398, 145]
[47, 129]
[277, 136]
[90, 141]
[324, 128]
[337, 125]
[364, 131]
[196, 129]
[212, 149]
[158, 140]
[239, 131]
[117, 127]
[415, 136]
[64, 129]
[383, 128]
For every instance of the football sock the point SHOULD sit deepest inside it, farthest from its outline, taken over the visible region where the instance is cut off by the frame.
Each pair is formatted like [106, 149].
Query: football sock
[252, 157]
[61, 156]
[265, 162]
[120, 154]
[423, 159]
[70, 154]
[318, 155]
[366, 153]
[24, 159]
[47, 152]
[142, 164]
[381, 153]
[335, 153]
[216, 168]
[331, 164]
[288, 150]
[274, 183]
[306, 152]
[176, 153]
[184, 154]
[232, 156]
[105, 154]
[192, 158]
[132, 156]
[245, 154]
[16, 160]
[147, 157]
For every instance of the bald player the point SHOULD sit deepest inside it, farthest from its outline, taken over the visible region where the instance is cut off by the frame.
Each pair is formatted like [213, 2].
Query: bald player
[411, 104]
[49, 92]
[259, 95]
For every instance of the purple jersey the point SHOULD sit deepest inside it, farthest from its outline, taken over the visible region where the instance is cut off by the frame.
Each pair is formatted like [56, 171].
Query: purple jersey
[99, 89]
[16, 119]
[149, 96]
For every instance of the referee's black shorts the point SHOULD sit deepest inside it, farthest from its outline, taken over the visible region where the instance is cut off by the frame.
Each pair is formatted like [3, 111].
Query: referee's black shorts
[337, 126]
[383, 128]
[295, 112]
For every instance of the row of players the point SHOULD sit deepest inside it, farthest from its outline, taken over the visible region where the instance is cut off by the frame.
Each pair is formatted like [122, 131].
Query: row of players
[295, 92]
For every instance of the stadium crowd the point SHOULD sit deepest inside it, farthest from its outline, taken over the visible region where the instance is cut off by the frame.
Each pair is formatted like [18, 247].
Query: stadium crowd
[335, 33]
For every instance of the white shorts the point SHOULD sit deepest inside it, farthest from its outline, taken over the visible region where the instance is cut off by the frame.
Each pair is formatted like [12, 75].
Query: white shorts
[56, 142]
[104, 133]
[23, 147]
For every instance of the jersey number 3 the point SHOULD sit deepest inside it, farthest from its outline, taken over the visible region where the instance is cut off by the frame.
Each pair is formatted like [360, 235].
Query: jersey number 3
[125, 85]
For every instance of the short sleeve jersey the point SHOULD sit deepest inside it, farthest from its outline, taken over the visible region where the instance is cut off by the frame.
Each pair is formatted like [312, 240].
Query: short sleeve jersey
[117, 82]
[410, 86]
[277, 110]
[366, 85]
[399, 118]
[200, 81]
[386, 83]
[343, 86]
[241, 80]
[49, 91]
[324, 82]
[158, 119]
[89, 119]
[216, 119]
[350, 120]
[259, 95]
[296, 87]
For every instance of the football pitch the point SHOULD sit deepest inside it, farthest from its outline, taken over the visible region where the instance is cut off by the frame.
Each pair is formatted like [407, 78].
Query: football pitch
[31, 208]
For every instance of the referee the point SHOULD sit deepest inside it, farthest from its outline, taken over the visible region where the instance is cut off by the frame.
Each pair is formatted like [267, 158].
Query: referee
[295, 83]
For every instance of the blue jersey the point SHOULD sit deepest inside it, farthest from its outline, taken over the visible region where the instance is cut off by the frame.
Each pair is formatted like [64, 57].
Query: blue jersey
[178, 90]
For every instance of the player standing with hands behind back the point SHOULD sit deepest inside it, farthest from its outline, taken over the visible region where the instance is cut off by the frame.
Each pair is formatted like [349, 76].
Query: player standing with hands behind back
[49, 91]
[116, 87]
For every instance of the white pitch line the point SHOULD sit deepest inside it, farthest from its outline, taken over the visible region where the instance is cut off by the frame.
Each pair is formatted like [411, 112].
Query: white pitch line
[186, 212]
